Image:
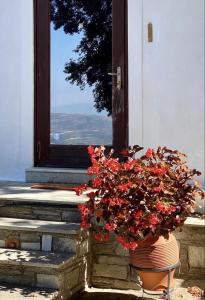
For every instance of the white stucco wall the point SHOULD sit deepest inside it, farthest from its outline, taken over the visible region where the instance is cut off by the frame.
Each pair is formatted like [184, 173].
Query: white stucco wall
[166, 77]
[16, 88]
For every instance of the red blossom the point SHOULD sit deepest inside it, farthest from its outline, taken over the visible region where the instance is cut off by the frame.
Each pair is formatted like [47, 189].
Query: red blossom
[91, 150]
[91, 195]
[138, 214]
[110, 227]
[113, 164]
[136, 197]
[159, 170]
[138, 169]
[115, 201]
[153, 220]
[165, 208]
[132, 245]
[97, 182]
[125, 187]
[84, 224]
[80, 189]
[157, 189]
[129, 165]
[99, 213]
[132, 229]
[148, 153]
[102, 237]
[93, 170]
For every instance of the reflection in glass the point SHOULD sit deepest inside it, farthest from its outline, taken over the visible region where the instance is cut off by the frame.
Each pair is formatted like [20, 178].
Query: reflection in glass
[81, 57]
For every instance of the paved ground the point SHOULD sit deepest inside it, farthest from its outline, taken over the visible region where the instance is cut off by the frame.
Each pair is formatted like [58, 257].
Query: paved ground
[11, 293]
[180, 293]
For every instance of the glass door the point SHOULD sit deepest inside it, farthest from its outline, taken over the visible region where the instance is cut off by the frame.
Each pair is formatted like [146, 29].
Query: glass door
[81, 79]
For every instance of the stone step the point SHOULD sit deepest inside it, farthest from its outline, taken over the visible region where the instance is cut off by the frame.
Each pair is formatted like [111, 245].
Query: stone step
[57, 175]
[42, 235]
[62, 272]
[21, 201]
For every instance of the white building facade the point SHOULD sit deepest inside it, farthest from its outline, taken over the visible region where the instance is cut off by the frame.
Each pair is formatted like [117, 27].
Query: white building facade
[166, 80]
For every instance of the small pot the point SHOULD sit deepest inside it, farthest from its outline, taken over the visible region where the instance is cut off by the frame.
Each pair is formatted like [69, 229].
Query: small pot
[156, 253]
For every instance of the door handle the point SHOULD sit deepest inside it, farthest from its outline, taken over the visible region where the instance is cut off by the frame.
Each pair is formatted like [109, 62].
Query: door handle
[150, 32]
[118, 74]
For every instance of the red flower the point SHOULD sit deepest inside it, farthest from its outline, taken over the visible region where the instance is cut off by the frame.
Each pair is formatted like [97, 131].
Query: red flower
[97, 182]
[91, 151]
[160, 206]
[110, 227]
[98, 236]
[137, 214]
[84, 224]
[167, 209]
[99, 213]
[91, 195]
[159, 170]
[157, 189]
[148, 153]
[132, 229]
[80, 189]
[102, 237]
[136, 197]
[94, 169]
[125, 187]
[153, 220]
[132, 245]
[113, 164]
[129, 165]
[138, 169]
[115, 201]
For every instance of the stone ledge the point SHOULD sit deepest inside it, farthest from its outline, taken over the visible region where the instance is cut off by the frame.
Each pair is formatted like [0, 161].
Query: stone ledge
[9, 257]
[194, 222]
[39, 226]
[22, 192]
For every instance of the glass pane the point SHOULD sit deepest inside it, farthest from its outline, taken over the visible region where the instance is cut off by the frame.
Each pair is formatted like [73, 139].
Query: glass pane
[81, 57]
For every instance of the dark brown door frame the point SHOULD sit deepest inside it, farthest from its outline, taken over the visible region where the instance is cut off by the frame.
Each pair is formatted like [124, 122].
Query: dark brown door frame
[57, 155]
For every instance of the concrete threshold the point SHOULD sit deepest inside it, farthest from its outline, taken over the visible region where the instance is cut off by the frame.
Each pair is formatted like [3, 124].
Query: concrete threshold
[56, 175]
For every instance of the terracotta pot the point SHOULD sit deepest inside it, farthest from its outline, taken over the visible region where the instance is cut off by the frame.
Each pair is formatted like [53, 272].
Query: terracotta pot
[156, 253]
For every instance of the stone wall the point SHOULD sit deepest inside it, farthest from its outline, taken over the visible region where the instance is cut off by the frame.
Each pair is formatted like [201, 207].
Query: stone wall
[110, 262]
[110, 266]
[191, 242]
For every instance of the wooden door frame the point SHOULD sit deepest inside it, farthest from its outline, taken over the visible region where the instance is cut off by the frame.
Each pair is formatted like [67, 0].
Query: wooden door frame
[53, 155]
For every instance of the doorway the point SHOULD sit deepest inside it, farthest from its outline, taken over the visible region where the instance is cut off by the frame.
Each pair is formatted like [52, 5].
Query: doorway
[81, 79]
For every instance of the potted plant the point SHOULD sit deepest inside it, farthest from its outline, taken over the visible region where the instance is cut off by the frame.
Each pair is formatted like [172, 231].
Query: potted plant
[142, 200]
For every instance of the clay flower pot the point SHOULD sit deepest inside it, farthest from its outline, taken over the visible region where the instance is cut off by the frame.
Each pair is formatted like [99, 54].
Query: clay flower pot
[156, 253]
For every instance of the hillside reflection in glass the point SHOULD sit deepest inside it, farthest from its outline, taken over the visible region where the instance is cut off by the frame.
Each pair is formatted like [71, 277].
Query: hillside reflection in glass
[81, 57]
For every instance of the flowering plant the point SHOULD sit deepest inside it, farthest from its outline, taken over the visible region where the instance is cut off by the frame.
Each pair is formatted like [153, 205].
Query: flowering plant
[136, 197]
